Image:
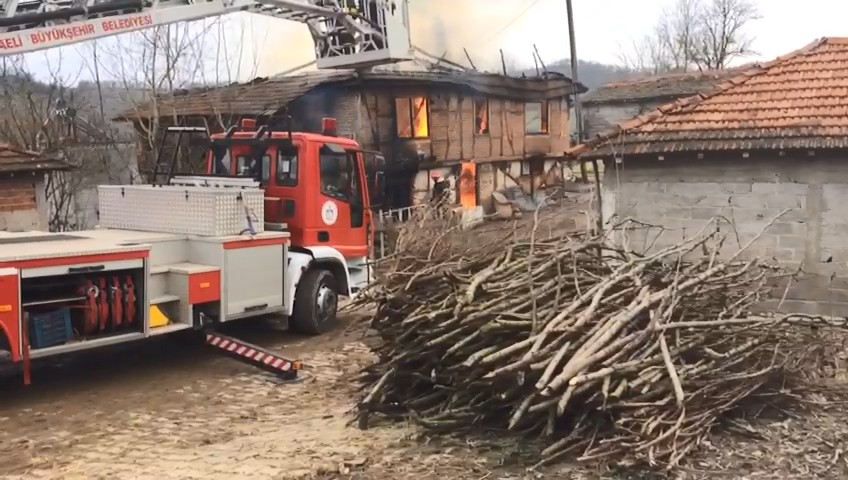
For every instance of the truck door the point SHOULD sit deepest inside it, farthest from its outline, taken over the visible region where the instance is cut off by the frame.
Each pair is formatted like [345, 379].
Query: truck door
[375, 165]
[342, 205]
[281, 194]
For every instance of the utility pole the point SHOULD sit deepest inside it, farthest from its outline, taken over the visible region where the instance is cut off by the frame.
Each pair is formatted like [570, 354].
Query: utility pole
[578, 114]
[574, 78]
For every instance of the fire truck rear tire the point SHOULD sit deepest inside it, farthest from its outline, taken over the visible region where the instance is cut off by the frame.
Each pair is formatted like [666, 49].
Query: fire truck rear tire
[315, 303]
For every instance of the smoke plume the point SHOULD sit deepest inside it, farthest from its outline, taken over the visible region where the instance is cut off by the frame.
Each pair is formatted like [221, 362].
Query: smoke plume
[440, 27]
[478, 26]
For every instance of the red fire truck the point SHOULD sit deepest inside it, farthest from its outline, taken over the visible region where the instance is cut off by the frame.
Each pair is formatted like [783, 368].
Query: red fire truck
[279, 224]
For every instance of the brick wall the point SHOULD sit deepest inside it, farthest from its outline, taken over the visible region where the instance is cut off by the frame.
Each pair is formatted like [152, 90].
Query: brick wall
[681, 195]
[19, 205]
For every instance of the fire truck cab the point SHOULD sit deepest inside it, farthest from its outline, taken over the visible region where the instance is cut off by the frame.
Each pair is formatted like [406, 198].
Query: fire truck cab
[316, 190]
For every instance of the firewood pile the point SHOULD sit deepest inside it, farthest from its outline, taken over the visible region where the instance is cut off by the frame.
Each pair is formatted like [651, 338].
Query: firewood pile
[607, 354]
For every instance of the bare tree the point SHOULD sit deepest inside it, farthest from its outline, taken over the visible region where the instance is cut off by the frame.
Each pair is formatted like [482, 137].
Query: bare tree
[695, 35]
[721, 35]
[677, 33]
[162, 63]
[169, 60]
[34, 119]
[646, 55]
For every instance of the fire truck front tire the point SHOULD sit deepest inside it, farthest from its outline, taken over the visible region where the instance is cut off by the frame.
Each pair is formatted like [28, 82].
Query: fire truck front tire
[315, 303]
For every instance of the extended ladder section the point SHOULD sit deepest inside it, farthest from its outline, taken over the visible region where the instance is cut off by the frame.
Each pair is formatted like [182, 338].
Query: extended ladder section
[346, 33]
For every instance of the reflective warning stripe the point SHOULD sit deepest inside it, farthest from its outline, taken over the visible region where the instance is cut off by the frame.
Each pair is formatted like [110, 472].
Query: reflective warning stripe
[249, 353]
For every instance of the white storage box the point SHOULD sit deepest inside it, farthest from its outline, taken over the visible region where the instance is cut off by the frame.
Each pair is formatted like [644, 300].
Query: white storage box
[188, 210]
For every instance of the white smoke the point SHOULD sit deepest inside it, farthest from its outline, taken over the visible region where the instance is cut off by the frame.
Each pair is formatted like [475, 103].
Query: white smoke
[437, 26]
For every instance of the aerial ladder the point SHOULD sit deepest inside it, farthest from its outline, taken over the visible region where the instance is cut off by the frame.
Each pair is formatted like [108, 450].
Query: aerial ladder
[346, 33]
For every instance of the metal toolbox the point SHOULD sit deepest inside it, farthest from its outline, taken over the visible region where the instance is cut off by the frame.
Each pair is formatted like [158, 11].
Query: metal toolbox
[188, 210]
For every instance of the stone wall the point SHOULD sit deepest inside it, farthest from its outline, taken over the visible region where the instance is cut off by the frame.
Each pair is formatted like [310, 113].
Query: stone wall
[682, 194]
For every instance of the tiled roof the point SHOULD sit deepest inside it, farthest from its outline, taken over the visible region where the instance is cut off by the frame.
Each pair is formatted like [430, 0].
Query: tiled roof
[658, 87]
[13, 160]
[799, 100]
[268, 95]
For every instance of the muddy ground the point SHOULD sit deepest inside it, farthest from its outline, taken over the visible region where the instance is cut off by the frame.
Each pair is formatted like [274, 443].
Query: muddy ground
[175, 410]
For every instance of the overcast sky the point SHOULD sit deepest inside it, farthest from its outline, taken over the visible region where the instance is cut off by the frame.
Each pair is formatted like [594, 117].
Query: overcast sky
[603, 28]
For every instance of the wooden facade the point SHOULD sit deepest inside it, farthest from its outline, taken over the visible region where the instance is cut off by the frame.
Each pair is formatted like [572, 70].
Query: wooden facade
[515, 144]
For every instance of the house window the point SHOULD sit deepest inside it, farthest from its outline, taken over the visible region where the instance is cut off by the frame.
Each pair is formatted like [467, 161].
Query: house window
[525, 168]
[412, 116]
[536, 118]
[481, 117]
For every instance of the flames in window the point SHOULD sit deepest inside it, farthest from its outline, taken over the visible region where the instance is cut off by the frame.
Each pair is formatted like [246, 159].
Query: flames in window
[412, 117]
[481, 116]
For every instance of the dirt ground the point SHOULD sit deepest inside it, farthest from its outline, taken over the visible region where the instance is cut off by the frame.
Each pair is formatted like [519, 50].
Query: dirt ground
[171, 410]
[168, 409]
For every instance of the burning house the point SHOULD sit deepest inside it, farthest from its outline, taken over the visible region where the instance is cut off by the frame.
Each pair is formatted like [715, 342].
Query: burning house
[506, 133]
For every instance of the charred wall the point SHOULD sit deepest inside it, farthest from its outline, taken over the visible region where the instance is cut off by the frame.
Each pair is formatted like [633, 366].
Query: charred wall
[308, 110]
[455, 132]
[370, 114]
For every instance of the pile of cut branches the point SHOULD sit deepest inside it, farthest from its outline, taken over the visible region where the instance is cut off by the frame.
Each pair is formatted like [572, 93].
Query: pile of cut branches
[606, 353]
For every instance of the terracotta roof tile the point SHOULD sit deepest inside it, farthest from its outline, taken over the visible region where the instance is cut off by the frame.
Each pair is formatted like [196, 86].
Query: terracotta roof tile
[799, 100]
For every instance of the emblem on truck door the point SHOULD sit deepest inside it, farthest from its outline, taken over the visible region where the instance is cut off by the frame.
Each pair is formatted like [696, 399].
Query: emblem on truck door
[329, 213]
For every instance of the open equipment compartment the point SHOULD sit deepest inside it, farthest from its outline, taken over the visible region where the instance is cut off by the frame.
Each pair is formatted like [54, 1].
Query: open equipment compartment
[81, 304]
[75, 292]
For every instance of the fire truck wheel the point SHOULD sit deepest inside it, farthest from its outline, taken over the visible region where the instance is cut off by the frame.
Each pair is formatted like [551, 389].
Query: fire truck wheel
[315, 303]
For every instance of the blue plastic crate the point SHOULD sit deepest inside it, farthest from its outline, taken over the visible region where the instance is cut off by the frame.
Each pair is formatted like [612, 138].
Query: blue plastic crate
[50, 329]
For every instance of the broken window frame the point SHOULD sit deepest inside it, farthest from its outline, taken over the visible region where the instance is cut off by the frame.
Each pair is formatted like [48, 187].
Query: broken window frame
[484, 102]
[543, 118]
[410, 108]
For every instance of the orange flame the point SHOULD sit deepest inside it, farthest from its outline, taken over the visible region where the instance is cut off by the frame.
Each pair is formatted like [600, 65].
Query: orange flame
[421, 124]
[481, 110]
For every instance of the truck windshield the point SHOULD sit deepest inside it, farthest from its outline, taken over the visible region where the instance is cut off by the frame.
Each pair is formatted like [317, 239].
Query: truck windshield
[277, 161]
[340, 175]
[249, 167]
[220, 161]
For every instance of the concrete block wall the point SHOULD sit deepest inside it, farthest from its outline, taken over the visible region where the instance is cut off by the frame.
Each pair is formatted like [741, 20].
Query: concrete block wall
[682, 195]
[599, 118]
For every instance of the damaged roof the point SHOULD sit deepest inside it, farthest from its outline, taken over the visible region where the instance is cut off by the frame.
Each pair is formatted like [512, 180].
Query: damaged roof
[266, 96]
[13, 160]
[668, 86]
[799, 100]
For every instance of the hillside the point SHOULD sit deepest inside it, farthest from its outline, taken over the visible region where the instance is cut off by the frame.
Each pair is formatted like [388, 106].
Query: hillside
[592, 74]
